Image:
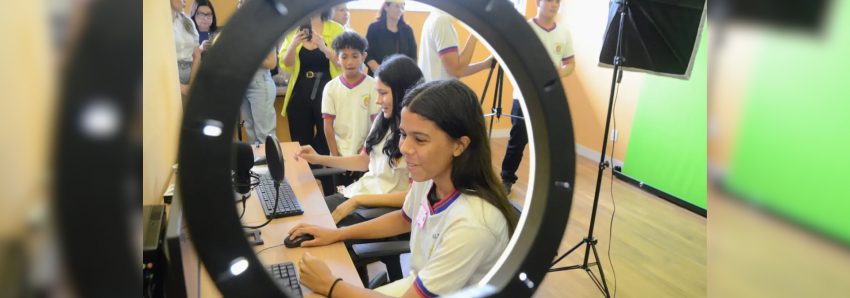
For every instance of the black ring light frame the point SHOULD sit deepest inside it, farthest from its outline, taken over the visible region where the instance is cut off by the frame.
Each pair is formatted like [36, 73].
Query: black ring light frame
[223, 78]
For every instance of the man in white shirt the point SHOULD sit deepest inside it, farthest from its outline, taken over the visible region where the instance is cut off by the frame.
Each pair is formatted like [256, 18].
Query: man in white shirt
[439, 56]
[558, 43]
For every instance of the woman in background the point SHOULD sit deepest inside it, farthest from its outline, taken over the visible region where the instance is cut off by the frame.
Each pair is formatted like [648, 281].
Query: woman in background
[341, 15]
[186, 43]
[312, 65]
[203, 14]
[389, 35]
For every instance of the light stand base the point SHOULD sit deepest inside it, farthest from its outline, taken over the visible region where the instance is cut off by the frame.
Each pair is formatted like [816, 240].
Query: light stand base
[600, 282]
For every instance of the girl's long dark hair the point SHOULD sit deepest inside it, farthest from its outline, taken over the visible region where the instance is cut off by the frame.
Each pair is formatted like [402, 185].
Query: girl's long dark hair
[382, 14]
[194, 12]
[401, 74]
[454, 108]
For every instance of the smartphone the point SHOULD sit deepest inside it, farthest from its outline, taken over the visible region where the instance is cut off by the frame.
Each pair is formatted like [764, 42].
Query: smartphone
[309, 28]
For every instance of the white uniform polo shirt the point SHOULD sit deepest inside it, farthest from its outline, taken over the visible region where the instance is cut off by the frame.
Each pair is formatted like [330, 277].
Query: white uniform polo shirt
[438, 38]
[184, 41]
[380, 178]
[557, 41]
[351, 106]
[454, 243]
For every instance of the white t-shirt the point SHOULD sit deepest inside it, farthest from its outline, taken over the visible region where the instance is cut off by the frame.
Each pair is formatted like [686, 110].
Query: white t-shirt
[438, 38]
[184, 41]
[381, 178]
[454, 243]
[556, 40]
[352, 107]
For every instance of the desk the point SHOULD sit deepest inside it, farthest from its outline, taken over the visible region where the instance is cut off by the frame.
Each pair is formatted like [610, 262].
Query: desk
[299, 176]
[315, 212]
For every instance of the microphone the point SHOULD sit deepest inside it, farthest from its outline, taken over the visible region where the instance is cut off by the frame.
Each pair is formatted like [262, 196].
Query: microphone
[243, 162]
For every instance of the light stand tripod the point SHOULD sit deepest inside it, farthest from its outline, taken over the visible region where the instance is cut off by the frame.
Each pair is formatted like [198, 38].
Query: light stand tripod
[497, 96]
[589, 240]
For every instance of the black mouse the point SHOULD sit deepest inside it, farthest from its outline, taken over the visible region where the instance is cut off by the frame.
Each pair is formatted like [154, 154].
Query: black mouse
[260, 161]
[297, 241]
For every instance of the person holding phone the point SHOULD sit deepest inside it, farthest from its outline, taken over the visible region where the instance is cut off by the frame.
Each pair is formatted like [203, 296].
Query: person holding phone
[341, 15]
[307, 56]
[203, 14]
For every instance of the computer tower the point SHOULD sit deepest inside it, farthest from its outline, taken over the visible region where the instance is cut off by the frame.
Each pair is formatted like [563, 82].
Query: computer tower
[153, 257]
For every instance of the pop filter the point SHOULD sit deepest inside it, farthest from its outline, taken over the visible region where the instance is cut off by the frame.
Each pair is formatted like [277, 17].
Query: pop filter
[274, 158]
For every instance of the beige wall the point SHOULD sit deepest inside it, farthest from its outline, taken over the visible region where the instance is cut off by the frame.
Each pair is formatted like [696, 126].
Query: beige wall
[27, 78]
[589, 88]
[161, 100]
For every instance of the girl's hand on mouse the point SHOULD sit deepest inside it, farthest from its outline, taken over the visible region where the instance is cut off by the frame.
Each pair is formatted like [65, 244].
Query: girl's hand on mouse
[321, 236]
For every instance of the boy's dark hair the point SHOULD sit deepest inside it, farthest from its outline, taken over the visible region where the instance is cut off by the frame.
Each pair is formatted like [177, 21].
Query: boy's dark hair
[349, 40]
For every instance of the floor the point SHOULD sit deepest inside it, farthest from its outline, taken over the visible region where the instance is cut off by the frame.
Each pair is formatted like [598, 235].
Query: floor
[659, 249]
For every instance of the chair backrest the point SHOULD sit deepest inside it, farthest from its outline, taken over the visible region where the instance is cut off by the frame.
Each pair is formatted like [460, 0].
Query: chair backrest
[517, 209]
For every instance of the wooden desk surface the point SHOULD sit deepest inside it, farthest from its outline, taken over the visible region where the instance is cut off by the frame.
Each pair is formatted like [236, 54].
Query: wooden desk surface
[315, 212]
[300, 178]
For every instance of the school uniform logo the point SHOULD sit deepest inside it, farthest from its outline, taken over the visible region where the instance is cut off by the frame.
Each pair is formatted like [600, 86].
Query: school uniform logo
[558, 48]
[365, 101]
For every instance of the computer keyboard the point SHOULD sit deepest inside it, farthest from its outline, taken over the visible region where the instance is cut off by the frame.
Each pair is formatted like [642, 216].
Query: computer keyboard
[285, 277]
[288, 205]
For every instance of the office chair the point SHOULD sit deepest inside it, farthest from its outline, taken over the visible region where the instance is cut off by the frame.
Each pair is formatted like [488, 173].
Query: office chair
[391, 260]
[393, 250]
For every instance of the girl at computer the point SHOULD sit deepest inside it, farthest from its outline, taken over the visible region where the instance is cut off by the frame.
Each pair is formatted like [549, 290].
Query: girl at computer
[386, 181]
[458, 215]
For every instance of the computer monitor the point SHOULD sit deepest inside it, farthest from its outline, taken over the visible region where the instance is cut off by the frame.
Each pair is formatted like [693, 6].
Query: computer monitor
[184, 267]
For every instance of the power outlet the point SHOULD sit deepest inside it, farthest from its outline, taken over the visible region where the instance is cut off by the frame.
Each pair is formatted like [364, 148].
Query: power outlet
[613, 137]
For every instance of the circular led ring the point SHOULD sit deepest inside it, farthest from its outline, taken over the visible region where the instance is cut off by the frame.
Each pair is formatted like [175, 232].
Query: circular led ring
[223, 79]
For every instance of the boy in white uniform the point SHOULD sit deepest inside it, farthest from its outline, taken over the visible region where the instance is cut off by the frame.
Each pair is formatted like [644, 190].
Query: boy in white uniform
[439, 56]
[559, 45]
[348, 102]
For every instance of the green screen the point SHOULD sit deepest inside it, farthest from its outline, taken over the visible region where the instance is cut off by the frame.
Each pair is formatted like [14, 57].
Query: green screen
[791, 152]
[667, 147]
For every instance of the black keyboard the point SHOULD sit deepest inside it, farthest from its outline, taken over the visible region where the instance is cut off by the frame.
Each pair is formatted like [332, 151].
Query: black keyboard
[285, 277]
[288, 205]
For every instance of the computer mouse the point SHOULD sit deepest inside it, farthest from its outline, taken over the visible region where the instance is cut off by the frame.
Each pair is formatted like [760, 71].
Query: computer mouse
[297, 241]
[260, 161]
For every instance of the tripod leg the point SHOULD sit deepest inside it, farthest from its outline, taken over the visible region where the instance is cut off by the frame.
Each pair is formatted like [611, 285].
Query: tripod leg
[487, 84]
[568, 252]
[495, 98]
[499, 85]
[601, 273]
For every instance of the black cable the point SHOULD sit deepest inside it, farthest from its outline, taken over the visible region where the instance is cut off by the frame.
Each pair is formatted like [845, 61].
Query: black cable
[258, 253]
[611, 226]
[150, 285]
[274, 210]
[244, 199]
